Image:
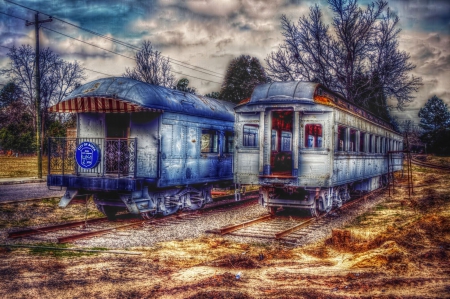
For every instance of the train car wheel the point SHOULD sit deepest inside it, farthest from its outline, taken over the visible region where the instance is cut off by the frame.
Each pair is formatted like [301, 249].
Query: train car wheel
[196, 200]
[273, 210]
[316, 208]
[108, 211]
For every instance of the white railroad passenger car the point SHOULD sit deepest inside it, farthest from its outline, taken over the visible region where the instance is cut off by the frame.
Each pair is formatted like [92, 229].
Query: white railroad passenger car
[307, 147]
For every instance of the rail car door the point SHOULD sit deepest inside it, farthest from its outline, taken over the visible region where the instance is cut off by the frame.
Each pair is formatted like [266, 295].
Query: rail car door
[117, 152]
[281, 143]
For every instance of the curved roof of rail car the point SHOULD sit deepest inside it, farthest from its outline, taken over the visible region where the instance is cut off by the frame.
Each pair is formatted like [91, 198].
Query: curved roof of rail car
[303, 92]
[153, 97]
[283, 93]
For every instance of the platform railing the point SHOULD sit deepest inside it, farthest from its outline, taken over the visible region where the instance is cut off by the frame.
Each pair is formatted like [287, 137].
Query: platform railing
[117, 157]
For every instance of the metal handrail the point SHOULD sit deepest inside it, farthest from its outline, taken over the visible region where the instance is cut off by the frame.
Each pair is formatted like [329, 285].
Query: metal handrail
[118, 156]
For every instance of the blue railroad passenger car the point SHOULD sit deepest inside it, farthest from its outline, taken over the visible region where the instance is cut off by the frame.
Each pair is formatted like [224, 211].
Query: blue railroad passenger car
[145, 148]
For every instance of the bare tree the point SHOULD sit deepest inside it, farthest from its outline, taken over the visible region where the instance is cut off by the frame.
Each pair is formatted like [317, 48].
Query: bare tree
[58, 77]
[359, 59]
[151, 67]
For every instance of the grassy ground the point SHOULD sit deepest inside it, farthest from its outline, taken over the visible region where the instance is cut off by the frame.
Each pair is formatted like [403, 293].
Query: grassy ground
[398, 249]
[12, 167]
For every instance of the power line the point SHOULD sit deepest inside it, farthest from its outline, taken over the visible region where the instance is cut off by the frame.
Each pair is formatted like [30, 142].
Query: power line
[12, 16]
[122, 54]
[46, 28]
[180, 63]
[99, 72]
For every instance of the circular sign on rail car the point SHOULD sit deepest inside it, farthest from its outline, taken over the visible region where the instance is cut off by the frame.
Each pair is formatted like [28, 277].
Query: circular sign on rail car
[87, 155]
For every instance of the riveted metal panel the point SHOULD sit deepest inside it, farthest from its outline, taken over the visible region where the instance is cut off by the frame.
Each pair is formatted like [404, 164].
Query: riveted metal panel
[145, 127]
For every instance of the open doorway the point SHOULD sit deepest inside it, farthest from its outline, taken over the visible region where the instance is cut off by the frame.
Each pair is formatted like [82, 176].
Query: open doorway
[117, 125]
[281, 143]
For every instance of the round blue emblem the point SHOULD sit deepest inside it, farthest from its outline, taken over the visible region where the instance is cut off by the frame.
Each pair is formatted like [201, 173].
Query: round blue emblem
[87, 155]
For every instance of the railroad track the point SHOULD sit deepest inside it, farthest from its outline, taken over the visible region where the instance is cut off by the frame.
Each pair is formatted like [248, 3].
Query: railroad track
[72, 231]
[285, 228]
[417, 161]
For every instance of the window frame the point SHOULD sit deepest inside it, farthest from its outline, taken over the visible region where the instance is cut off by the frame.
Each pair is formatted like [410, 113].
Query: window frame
[213, 148]
[344, 129]
[246, 140]
[316, 143]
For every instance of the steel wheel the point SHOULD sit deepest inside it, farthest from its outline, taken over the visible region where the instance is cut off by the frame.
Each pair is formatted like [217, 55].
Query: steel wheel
[197, 201]
[109, 211]
[315, 209]
[272, 210]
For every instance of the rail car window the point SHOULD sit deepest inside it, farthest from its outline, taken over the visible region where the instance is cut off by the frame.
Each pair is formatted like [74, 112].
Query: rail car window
[362, 142]
[229, 139]
[352, 145]
[341, 143]
[313, 135]
[377, 140]
[250, 135]
[209, 142]
[286, 141]
[274, 145]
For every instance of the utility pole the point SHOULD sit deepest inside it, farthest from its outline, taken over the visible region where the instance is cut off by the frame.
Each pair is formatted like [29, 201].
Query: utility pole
[38, 91]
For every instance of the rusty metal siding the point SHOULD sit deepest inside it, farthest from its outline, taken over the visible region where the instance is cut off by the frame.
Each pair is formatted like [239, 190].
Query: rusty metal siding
[91, 125]
[181, 160]
[144, 126]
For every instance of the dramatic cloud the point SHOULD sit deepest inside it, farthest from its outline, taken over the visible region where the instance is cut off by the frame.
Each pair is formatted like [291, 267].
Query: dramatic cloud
[210, 33]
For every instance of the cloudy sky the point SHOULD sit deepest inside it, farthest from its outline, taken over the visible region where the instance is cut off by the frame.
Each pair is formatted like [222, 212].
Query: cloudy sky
[202, 36]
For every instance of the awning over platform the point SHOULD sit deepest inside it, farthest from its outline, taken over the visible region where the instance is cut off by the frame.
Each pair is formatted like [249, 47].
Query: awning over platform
[99, 104]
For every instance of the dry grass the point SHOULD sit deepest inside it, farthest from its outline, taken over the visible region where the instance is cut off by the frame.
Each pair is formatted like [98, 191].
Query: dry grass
[22, 214]
[12, 167]
[399, 249]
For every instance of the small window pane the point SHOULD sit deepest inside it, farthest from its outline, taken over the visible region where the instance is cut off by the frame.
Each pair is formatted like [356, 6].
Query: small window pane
[362, 142]
[286, 141]
[229, 139]
[376, 144]
[313, 135]
[352, 145]
[341, 138]
[370, 144]
[209, 142]
[250, 135]
[274, 145]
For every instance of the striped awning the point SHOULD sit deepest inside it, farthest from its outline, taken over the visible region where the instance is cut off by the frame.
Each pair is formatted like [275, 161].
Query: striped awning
[99, 104]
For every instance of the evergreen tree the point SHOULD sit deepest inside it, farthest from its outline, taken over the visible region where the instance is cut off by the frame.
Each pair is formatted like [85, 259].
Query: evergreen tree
[244, 73]
[182, 85]
[434, 115]
[213, 95]
[435, 121]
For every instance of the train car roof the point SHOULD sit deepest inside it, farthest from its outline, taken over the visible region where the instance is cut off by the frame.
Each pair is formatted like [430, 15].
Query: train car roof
[128, 95]
[303, 92]
[284, 92]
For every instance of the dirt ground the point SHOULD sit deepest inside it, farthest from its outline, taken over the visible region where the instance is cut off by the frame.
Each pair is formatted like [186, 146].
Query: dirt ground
[399, 249]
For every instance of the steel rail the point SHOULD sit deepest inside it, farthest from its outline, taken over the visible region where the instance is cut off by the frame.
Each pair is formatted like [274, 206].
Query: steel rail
[429, 165]
[281, 234]
[51, 228]
[85, 235]
[294, 228]
[232, 228]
